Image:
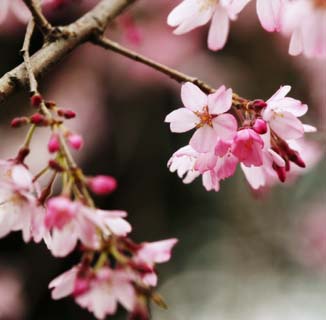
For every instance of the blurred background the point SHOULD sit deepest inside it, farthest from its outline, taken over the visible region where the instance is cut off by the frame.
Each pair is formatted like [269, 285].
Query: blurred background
[242, 255]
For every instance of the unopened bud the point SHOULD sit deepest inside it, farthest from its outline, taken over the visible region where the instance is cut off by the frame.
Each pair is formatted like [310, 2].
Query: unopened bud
[53, 164]
[102, 185]
[36, 100]
[281, 172]
[295, 158]
[68, 114]
[18, 122]
[39, 120]
[258, 104]
[76, 141]
[260, 126]
[54, 143]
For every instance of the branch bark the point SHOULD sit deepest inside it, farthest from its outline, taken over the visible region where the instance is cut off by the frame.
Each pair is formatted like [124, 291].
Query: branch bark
[92, 23]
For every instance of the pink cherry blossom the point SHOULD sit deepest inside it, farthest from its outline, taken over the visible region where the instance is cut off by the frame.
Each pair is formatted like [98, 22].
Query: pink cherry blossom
[69, 222]
[191, 14]
[247, 147]
[305, 22]
[19, 208]
[270, 14]
[105, 289]
[151, 253]
[207, 114]
[282, 114]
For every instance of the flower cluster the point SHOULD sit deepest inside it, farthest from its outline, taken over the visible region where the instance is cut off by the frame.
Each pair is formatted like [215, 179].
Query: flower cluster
[260, 136]
[113, 268]
[303, 20]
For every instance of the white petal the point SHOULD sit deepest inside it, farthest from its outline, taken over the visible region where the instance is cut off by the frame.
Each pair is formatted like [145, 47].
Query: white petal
[204, 139]
[182, 120]
[192, 97]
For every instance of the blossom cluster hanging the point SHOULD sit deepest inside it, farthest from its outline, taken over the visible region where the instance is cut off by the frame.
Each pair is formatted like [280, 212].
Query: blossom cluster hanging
[304, 21]
[262, 137]
[113, 269]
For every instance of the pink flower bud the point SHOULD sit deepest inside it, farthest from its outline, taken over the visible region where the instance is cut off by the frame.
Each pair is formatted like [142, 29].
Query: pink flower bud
[53, 164]
[38, 119]
[54, 143]
[18, 122]
[260, 126]
[76, 141]
[36, 100]
[60, 211]
[102, 185]
[68, 114]
[258, 104]
[281, 172]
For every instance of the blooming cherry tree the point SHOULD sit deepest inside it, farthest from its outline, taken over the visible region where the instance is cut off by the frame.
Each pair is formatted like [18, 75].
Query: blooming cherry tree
[265, 138]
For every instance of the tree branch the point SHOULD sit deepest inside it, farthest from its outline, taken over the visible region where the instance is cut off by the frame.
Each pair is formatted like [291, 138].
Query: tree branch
[42, 23]
[27, 60]
[172, 73]
[81, 31]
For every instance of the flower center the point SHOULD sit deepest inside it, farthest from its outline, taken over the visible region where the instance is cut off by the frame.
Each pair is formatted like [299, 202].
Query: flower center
[206, 4]
[205, 117]
[320, 4]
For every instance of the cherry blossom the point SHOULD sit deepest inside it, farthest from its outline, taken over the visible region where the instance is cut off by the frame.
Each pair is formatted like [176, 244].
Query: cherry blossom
[19, 208]
[206, 113]
[102, 290]
[70, 221]
[282, 114]
[305, 22]
[191, 14]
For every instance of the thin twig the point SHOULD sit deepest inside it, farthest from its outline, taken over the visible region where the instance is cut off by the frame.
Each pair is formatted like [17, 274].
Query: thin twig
[27, 60]
[42, 23]
[172, 73]
[51, 53]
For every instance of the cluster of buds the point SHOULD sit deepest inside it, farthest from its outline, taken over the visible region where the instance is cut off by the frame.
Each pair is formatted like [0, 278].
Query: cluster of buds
[113, 268]
[261, 136]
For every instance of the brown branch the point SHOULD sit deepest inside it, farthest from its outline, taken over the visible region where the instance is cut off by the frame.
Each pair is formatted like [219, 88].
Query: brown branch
[81, 31]
[42, 23]
[172, 73]
[27, 60]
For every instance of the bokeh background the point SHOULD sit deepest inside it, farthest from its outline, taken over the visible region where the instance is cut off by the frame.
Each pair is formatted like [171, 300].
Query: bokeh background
[242, 255]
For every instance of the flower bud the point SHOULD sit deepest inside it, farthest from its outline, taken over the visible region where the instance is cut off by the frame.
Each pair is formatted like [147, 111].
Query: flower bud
[258, 104]
[39, 120]
[36, 100]
[18, 122]
[260, 126]
[295, 158]
[68, 114]
[281, 172]
[102, 185]
[75, 141]
[53, 164]
[54, 143]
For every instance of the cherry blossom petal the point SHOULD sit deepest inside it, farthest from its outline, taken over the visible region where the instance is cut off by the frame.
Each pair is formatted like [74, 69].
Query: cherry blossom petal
[205, 162]
[219, 29]
[64, 284]
[220, 101]
[287, 126]
[204, 139]
[182, 120]
[192, 97]
[225, 126]
[270, 14]
[254, 175]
